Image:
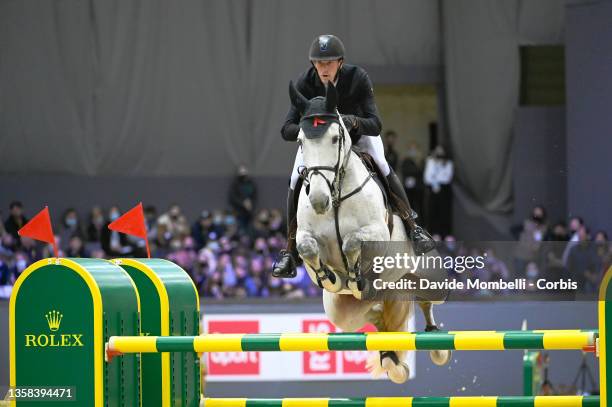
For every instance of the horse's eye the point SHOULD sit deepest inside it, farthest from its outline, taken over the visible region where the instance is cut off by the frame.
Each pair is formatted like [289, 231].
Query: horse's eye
[334, 139]
[299, 141]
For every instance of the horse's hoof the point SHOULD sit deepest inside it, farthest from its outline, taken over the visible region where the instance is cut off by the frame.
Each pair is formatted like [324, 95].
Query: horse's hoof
[332, 284]
[354, 287]
[440, 357]
[397, 373]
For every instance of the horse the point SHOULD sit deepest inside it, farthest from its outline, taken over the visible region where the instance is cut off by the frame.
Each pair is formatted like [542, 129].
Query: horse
[340, 207]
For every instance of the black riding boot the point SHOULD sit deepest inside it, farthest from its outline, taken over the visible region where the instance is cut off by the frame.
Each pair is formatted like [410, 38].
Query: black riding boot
[421, 240]
[285, 266]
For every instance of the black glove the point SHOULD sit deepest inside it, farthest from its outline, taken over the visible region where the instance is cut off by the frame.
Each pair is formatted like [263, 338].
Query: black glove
[350, 121]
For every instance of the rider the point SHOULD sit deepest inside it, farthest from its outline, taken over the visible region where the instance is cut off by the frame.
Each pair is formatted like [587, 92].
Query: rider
[360, 116]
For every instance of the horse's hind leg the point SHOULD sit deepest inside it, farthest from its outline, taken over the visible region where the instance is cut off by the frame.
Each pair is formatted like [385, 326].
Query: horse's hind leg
[439, 357]
[390, 316]
[345, 311]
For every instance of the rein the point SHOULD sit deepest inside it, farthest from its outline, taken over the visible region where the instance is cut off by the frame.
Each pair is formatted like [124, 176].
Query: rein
[335, 186]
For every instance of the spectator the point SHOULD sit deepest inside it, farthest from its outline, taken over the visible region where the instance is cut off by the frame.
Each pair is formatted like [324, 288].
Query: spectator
[15, 221]
[71, 226]
[21, 263]
[7, 245]
[76, 247]
[583, 264]
[552, 252]
[49, 251]
[201, 229]
[150, 213]
[437, 177]
[171, 225]
[2, 230]
[532, 274]
[261, 225]
[218, 224]
[558, 233]
[31, 249]
[412, 176]
[575, 223]
[603, 249]
[243, 197]
[96, 224]
[275, 223]
[114, 243]
[6, 272]
[390, 140]
[496, 267]
[530, 238]
[231, 226]
[184, 253]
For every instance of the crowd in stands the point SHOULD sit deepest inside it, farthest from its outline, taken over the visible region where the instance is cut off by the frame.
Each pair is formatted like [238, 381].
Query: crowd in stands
[561, 250]
[226, 255]
[230, 256]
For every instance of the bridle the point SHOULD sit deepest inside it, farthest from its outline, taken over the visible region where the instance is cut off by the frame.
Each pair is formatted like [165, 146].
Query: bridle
[335, 186]
[339, 170]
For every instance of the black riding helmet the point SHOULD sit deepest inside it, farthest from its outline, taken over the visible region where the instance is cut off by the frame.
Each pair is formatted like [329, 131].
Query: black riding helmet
[326, 48]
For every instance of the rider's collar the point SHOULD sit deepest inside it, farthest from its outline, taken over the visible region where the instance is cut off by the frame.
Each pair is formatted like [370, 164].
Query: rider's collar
[315, 125]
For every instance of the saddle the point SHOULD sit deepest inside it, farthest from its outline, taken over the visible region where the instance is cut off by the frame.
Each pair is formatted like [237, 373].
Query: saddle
[393, 203]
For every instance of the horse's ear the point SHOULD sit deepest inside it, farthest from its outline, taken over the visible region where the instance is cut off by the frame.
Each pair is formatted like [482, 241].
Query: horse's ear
[297, 99]
[331, 98]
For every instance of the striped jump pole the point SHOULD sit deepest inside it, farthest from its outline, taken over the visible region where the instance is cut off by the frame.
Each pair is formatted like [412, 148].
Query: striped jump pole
[537, 401]
[375, 341]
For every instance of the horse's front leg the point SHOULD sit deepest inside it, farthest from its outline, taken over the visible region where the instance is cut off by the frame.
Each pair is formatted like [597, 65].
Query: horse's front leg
[351, 247]
[308, 248]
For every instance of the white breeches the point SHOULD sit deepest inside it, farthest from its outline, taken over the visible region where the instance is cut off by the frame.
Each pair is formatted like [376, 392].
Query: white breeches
[370, 144]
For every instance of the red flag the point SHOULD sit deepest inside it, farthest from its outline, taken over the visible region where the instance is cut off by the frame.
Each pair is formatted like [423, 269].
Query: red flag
[132, 223]
[39, 228]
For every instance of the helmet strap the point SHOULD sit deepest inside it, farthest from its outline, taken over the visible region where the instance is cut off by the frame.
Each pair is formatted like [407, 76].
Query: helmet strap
[339, 68]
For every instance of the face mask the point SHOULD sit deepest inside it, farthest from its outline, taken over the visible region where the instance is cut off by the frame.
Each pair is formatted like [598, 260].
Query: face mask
[71, 222]
[98, 220]
[21, 265]
[532, 273]
[114, 216]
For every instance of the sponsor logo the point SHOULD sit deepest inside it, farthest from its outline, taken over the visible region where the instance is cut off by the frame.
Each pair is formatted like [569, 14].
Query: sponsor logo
[318, 362]
[355, 361]
[233, 363]
[53, 340]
